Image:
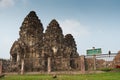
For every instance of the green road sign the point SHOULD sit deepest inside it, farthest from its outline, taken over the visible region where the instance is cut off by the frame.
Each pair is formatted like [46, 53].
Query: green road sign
[94, 51]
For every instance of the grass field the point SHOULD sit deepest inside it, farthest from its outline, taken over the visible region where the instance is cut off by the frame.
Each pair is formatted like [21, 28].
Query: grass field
[99, 76]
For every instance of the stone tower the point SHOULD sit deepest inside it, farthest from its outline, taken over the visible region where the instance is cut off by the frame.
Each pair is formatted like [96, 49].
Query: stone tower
[53, 39]
[70, 45]
[31, 34]
[71, 50]
[30, 43]
[32, 50]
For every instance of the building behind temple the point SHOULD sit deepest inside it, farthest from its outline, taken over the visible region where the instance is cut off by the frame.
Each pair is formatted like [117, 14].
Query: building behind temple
[36, 50]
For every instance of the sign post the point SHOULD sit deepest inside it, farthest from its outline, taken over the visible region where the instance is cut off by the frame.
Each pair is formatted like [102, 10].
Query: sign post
[93, 52]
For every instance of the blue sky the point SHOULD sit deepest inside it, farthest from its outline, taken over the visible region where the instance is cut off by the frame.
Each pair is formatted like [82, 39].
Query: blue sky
[93, 23]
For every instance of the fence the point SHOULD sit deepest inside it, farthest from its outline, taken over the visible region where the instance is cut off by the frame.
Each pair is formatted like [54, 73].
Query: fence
[97, 62]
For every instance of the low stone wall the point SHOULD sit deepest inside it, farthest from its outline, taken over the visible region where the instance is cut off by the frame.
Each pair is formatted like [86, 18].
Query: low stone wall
[82, 64]
[4, 65]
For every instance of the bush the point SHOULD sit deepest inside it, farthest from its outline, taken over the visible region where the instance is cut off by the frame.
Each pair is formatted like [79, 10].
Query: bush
[106, 69]
[116, 69]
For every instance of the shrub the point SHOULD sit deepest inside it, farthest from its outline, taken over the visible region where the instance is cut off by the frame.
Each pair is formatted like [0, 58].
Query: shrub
[116, 69]
[106, 69]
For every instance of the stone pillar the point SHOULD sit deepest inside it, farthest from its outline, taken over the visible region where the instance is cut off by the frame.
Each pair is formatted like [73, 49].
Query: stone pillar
[0, 67]
[94, 62]
[49, 64]
[82, 60]
[18, 58]
[22, 66]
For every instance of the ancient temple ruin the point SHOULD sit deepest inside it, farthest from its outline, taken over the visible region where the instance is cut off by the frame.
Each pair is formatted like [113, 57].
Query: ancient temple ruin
[36, 50]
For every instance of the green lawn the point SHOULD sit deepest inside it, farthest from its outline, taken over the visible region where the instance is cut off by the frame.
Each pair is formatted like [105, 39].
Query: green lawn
[100, 76]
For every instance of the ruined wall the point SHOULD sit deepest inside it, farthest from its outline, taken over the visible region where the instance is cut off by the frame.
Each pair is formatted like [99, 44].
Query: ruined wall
[116, 60]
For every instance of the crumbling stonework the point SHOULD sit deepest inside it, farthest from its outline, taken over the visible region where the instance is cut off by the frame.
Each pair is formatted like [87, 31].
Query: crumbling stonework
[116, 60]
[32, 50]
[98, 64]
[4, 65]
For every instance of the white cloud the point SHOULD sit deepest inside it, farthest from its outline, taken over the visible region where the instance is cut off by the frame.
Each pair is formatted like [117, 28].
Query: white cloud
[25, 2]
[6, 3]
[73, 27]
